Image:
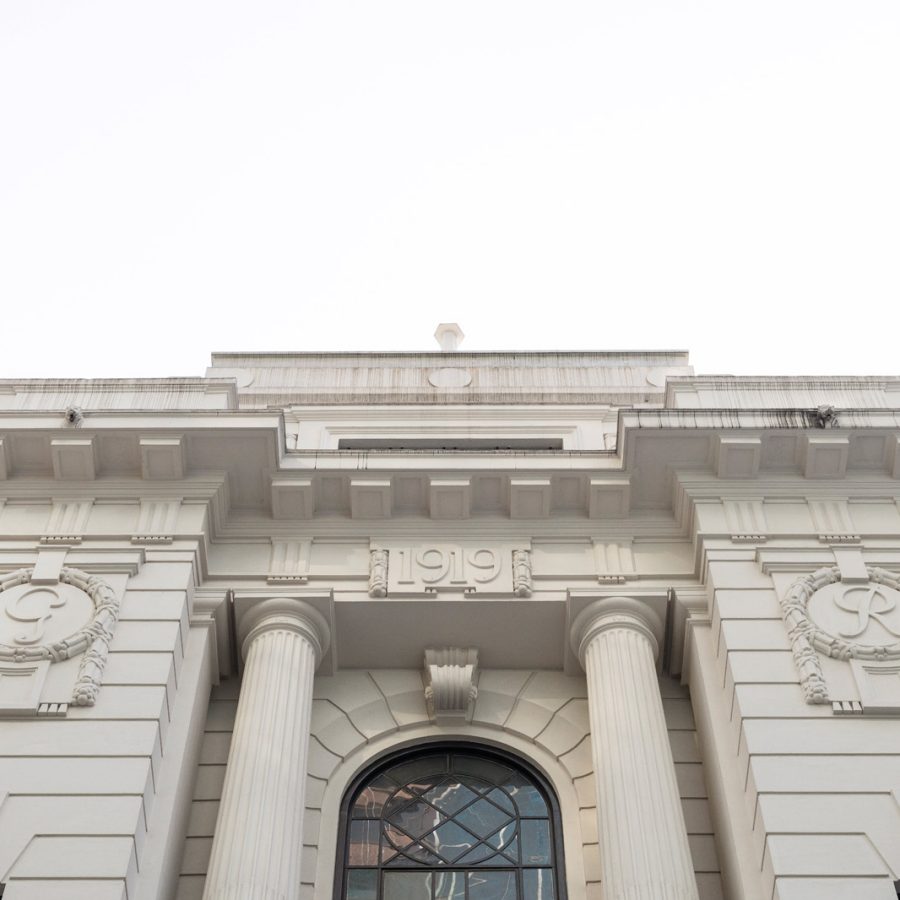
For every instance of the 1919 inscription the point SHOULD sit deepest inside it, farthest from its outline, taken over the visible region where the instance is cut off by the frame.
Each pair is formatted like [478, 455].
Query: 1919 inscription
[468, 567]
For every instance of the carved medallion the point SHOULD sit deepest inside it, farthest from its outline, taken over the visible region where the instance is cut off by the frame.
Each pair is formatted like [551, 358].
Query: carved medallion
[56, 622]
[843, 621]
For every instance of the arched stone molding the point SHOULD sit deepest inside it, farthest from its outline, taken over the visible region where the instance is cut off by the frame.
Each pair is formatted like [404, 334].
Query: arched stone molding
[359, 715]
[366, 754]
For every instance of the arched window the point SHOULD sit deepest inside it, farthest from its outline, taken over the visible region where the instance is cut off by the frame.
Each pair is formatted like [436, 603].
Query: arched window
[452, 822]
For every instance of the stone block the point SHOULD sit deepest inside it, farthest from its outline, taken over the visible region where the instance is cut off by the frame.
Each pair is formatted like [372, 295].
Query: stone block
[333, 728]
[214, 748]
[748, 634]
[834, 889]
[404, 693]
[567, 728]
[66, 889]
[766, 666]
[195, 859]
[703, 852]
[823, 854]
[153, 605]
[497, 693]
[190, 887]
[209, 781]
[697, 817]
[202, 821]
[690, 780]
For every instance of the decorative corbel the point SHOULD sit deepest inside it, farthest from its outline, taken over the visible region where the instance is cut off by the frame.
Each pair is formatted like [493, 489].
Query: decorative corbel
[450, 688]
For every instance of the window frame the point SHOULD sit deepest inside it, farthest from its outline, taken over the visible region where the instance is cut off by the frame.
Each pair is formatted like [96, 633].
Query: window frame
[500, 755]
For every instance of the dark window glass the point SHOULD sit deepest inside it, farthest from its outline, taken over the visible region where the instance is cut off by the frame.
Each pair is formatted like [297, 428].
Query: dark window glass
[458, 824]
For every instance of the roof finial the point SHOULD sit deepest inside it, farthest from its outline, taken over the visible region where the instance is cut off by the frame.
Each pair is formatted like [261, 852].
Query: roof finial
[449, 335]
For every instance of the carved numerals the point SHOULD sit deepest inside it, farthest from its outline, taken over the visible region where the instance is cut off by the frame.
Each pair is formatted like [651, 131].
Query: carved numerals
[446, 565]
[470, 568]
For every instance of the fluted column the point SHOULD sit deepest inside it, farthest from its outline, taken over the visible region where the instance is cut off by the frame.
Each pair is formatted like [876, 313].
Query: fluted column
[258, 837]
[644, 849]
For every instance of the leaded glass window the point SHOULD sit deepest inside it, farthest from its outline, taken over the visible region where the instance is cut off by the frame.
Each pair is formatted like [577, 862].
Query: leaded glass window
[454, 823]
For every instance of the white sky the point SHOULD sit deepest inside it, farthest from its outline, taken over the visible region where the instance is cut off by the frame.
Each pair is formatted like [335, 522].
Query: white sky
[181, 177]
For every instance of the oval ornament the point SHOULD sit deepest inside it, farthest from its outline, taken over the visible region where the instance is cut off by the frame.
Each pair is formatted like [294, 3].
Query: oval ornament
[449, 378]
[29, 611]
[843, 621]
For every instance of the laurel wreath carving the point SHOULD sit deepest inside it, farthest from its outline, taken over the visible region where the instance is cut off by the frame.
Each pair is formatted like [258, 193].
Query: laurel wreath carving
[92, 640]
[808, 639]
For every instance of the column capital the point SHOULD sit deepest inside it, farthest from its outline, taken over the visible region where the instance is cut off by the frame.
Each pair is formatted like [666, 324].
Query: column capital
[615, 613]
[284, 614]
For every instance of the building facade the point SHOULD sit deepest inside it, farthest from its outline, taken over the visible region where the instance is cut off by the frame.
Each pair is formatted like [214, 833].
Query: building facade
[450, 626]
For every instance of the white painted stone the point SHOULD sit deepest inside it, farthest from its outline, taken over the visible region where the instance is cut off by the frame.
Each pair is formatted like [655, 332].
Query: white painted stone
[610, 496]
[738, 457]
[497, 692]
[643, 839]
[529, 498]
[162, 494]
[404, 693]
[370, 498]
[333, 729]
[260, 819]
[215, 747]
[824, 854]
[203, 819]
[794, 888]
[162, 458]
[292, 499]
[567, 728]
[449, 498]
[68, 889]
[356, 694]
[73, 459]
[826, 457]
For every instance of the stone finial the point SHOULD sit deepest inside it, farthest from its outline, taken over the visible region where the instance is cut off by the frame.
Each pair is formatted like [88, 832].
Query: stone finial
[450, 688]
[449, 335]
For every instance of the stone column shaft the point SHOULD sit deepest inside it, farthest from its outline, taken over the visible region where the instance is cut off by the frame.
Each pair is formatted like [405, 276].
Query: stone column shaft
[643, 840]
[259, 831]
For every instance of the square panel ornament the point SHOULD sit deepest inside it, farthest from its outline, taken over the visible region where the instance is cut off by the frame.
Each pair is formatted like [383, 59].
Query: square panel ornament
[855, 620]
[42, 623]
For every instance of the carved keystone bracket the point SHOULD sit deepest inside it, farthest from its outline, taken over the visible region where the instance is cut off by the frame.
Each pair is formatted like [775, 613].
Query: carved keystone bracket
[847, 621]
[450, 688]
[83, 603]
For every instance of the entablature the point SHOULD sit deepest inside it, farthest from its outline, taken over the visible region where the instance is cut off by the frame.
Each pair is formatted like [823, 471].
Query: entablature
[787, 449]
